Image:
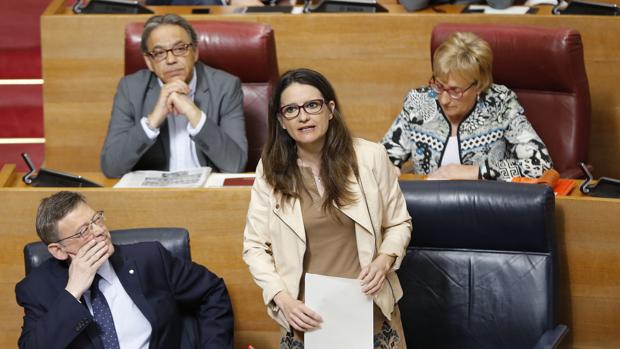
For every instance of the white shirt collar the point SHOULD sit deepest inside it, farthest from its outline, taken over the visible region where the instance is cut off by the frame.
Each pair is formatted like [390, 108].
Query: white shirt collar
[107, 272]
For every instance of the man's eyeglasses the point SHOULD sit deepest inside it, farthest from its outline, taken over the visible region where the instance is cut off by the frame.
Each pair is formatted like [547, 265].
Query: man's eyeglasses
[291, 111]
[453, 92]
[86, 229]
[159, 54]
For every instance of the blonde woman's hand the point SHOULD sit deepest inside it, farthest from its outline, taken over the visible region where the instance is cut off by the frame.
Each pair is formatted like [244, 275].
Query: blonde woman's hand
[298, 315]
[455, 171]
[372, 276]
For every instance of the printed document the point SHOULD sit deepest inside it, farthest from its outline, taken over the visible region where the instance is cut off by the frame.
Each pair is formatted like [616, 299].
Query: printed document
[190, 178]
[346, 312]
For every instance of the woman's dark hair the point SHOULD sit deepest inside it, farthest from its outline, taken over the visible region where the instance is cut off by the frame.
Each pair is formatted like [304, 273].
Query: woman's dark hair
[338, 159]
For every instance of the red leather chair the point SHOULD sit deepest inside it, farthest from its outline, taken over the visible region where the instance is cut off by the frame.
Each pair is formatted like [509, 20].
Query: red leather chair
[545, 67]
[246, 50]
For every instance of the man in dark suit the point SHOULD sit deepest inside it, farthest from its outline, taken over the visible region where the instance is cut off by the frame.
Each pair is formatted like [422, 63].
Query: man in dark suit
[178, 113]
[94, 294]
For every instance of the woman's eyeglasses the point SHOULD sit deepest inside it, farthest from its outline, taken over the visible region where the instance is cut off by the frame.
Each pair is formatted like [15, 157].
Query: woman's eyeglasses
[453, 92]
[291, 111]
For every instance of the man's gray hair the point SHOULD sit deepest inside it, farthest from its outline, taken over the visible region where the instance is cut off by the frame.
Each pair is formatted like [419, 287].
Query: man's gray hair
[167, 19]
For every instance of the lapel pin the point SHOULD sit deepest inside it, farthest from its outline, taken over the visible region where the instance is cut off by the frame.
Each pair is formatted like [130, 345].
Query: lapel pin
[131, 271]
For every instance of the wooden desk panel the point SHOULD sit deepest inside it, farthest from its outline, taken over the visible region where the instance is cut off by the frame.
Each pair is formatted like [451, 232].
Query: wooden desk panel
[373, 60]
[589, 242]
[587, 239]
[7, 175]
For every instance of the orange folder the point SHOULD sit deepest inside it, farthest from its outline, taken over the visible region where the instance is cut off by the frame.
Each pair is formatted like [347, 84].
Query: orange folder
[561, 187]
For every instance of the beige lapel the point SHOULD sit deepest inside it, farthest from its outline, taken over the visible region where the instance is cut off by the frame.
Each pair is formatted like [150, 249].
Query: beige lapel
[358, 211]
[290, 215]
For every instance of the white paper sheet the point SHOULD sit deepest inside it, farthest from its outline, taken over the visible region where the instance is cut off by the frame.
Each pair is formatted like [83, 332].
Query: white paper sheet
[346, 312]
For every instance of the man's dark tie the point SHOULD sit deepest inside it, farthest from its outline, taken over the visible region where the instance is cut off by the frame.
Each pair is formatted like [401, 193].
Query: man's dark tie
[103, 316]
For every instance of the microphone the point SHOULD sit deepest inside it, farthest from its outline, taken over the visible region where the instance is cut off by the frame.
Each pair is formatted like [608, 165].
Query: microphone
[78, 6]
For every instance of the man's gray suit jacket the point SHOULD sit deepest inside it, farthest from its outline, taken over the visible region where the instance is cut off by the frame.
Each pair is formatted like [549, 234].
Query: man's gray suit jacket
[221, 144]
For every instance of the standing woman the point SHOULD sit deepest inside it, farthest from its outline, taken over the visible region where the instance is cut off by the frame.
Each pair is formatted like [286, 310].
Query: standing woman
[323, 203]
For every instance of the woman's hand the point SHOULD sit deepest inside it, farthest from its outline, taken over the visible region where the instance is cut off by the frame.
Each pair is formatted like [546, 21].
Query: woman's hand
[298, 315]
[372, 276]
[455, 171]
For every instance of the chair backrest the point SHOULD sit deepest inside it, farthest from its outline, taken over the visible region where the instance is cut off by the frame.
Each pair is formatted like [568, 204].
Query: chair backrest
[175, 240]
[480, 268]
[545, 67]
[246, 50]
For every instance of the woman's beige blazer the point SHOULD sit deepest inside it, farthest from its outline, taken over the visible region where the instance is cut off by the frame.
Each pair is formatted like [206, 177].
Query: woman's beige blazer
[275, 242]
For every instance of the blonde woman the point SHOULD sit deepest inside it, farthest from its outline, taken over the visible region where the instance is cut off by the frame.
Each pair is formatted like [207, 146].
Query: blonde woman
[462, 126]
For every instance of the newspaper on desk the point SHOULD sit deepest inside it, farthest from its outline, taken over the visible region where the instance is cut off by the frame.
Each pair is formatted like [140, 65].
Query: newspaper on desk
[512, 10]
[189, 178]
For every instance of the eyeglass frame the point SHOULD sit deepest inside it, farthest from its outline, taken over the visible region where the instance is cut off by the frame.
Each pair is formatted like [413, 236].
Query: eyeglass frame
[439, 90]
[321, 101]
[86, 228]
[171, 50]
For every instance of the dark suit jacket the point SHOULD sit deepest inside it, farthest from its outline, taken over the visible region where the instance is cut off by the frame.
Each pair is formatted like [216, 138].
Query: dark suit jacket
[161, 285]
[220, 144]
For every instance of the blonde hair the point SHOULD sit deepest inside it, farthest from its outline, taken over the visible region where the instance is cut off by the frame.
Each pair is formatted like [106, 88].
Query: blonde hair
[466, 55]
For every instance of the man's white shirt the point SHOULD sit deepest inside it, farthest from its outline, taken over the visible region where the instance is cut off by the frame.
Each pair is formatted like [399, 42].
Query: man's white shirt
[132, 328]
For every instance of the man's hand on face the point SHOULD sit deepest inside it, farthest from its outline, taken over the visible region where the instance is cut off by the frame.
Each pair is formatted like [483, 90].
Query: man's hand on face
[84, 265]
[163, 107]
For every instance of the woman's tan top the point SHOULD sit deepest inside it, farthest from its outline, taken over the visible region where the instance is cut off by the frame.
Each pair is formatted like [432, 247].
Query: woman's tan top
[331, 248]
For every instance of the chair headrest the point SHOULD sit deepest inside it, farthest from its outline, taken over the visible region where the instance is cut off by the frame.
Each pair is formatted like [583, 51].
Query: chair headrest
[175, 240]
[485, 215]
[553, 56]
[246, 50]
